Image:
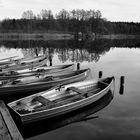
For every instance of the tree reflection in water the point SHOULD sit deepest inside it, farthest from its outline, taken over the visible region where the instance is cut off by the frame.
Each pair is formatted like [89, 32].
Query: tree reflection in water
[69, 50]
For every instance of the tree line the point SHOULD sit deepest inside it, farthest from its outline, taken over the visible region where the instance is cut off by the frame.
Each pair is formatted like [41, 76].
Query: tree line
[74, 21]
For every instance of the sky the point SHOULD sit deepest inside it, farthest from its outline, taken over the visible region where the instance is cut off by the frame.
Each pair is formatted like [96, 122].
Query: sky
[112, 10]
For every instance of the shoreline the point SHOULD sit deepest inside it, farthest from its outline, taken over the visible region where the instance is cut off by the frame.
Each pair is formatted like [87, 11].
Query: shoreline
[117, 36]
[35, 36]
[59, 36]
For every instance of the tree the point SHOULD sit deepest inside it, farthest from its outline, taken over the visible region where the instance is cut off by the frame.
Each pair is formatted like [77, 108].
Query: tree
[46, 14]
[28, 14]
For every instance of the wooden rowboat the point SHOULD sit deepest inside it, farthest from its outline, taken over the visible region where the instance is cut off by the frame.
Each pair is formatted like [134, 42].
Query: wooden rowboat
[60, 100]
[32, 59]
[36, 71]
[24, 65]
[4, 63]
[8, 58]
[79, 115]
[34, 84]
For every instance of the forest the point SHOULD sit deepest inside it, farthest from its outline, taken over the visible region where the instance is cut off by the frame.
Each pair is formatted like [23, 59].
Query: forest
[74, 21]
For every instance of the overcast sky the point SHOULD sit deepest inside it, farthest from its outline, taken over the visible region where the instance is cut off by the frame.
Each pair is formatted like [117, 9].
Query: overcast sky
[113, 10]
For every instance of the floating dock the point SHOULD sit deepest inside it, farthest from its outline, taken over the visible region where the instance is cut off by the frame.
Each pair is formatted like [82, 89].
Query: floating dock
[8, 128]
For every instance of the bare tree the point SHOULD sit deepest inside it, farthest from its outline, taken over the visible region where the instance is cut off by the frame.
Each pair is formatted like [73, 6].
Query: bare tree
[46, 14]
[28, 14]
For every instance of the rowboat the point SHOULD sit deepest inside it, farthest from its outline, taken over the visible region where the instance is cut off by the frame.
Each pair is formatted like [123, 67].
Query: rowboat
[60, 100]
[32, 84]
[10, 61]
[36, 71]
[24, 64]
[79, 115]
[32, 59]
[7, 61]
[8, 58]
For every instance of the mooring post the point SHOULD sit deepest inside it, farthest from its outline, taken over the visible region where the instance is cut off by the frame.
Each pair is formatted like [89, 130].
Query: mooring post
[50, 59]
[100, 74]
[121, 91]
[78, 66]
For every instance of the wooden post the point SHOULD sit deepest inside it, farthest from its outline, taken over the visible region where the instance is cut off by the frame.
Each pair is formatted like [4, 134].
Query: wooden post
[100, 74]
[78, 66]
[121, 91]
[8, 129]
[50, 59]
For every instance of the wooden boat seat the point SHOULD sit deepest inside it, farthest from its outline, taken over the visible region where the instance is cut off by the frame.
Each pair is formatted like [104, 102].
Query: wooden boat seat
[83, 93]
[77, 90]
[43, 100]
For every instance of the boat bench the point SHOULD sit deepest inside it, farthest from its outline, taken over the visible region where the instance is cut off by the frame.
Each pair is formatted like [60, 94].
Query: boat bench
[83, 93]
[77, 90]
[43, 100]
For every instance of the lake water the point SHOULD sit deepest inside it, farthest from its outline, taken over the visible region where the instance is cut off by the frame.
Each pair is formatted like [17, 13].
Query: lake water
[120, 118]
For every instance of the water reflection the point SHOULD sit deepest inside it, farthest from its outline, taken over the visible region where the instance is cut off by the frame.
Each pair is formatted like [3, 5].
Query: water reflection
[72, 50]
[30, 130]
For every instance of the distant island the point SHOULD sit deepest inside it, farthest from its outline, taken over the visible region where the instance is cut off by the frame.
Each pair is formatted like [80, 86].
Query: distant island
[67, 24]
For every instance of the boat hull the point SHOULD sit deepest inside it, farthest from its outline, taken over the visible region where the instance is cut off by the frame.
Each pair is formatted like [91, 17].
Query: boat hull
[23, 65]
[36, 71]
[27, 89]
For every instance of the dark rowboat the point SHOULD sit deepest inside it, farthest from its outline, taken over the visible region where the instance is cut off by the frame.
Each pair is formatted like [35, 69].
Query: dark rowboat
[36, 71]
[60, 100]
[34, 84]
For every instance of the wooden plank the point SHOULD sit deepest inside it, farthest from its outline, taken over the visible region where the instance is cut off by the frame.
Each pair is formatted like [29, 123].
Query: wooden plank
[4, 133]
[82, 92]
[11, 126]
[42, 100]
[77, 90]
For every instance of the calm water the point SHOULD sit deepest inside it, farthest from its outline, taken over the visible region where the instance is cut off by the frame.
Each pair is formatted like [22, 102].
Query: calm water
[119, 119]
